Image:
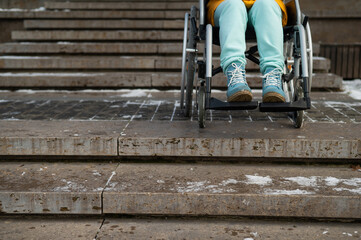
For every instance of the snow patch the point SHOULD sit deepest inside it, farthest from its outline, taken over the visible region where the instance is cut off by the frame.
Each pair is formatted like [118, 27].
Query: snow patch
[70, 186]
[96, 173]
[303, 181]
[353, 88]
[136, 93]
[229, 181]
[332, 181]
[287, 192]
[258, 180]
[357, 190]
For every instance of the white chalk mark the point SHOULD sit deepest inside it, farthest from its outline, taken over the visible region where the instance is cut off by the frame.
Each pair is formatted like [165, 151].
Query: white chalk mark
[337, 110]
[249, 116]
[270, 118]
[44, 103]
[289, 118]
[309, 118]
[175, 107]
[156, 110]
[131, 119]
[333, 121]
[113, 173]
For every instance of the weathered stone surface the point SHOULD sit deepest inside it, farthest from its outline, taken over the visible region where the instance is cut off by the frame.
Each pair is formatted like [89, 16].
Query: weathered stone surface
[129, 79]
[104, 14]
[54, 138]
[168, 228]
[118, 62]
[60, 35]
[87, 48]
[71, 79]
[268, 148]
[320, 80]
[184, 5]
[241, 190]
[76, 62]
[104, 24]
[49, 228]
[53, 188]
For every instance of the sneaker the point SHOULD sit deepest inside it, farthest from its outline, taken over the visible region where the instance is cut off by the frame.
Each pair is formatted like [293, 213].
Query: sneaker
[238, 89]
[272, 87]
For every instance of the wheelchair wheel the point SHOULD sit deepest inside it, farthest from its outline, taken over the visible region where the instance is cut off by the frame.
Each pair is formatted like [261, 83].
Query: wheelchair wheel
[184, 56]
[188, 63]
[202, 106]
[309, 49]
[298, 115]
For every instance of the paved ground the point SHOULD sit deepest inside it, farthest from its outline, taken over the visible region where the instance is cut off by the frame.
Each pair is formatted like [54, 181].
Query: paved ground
[150, 123]
[137, 105]
[168, 228]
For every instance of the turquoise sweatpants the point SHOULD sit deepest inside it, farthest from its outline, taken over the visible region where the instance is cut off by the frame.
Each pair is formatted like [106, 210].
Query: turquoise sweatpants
[265, 17]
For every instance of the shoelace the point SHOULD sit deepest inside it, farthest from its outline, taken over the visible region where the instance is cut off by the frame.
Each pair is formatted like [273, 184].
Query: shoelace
[273, 78]
[238, 75]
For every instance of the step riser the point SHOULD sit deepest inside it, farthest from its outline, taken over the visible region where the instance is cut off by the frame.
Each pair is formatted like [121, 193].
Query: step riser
[174, 147]
[196, 204]
[107, 24]
[105, 14]
[96, 48]
[97, 35]
[155, 63]
[105, 48]
[150, 80]
[121, 5]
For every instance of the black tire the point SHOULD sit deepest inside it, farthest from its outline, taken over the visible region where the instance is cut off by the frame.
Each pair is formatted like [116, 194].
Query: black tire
[190, 72]
[202, 107]
[298, 115]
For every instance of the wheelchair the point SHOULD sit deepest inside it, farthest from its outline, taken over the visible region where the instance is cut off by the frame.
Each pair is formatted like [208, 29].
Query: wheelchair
[296, 79]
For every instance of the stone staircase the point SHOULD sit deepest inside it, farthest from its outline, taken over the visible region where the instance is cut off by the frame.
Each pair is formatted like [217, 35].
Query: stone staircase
[126, 164]
[110, 45]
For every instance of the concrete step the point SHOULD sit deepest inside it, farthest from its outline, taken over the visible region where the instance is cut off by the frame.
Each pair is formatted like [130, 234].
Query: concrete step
[146, 124]
[104, 24]
[104, 48]
[137, 5]
[103, 14]
[132, 79]
[315, 14]
[96, 48]
[180, 189]
[172, 228]
[83, 35]
[225, 229]
[49, 228]
[320, 64]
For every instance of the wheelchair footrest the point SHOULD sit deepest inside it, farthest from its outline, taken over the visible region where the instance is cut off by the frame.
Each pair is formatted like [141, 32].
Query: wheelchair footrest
[284, 107]
[216, 104]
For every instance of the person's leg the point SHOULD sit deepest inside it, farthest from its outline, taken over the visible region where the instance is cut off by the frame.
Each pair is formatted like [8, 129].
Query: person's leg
[231, 17]
[266, 18]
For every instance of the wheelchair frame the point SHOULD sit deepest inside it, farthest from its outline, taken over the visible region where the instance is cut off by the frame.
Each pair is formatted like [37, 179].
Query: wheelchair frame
[296, 80]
